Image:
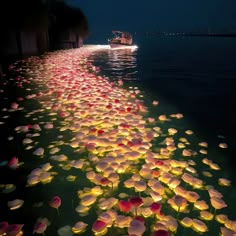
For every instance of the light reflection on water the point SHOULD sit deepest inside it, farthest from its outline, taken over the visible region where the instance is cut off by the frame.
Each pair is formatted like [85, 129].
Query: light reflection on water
[117, 64]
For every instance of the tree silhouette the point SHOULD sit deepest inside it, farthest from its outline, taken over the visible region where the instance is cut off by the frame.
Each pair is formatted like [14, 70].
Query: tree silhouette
[38, 16]
[21, 16]
[64, 18]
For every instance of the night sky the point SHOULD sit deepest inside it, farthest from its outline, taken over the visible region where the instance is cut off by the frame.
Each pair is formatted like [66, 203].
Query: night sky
[159, 15]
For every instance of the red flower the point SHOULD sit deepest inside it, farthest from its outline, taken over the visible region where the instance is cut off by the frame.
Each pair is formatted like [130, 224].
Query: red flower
[62, 114]
[40, 227]
[155, 173]
[160, 232]
[125, 126]
[139, 218]
[120, 144]
[14, 229]
[136, 201]
[93, 130]
[104, 181]
[155, 207]
[29, 126]
[3, 227]
[159, 163]
[55, 202]
[130, 144]
[98, 226]
[100, 132]
[13, 163]
[124, 206]
[109, 106]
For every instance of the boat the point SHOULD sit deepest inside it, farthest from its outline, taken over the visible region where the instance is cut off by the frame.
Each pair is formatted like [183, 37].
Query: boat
[120, 39]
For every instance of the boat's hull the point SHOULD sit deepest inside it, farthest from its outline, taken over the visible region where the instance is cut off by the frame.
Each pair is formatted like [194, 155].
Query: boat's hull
[123, 40]
[116, 45]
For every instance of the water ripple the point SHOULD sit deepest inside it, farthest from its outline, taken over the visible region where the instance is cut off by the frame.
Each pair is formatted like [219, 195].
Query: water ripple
[117, 64]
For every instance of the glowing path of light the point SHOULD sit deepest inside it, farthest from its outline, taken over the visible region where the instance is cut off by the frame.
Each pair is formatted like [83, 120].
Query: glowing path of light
[107, 47]
[139, 177]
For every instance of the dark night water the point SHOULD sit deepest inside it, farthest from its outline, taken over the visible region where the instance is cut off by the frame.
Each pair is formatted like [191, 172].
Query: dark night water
[195, 75]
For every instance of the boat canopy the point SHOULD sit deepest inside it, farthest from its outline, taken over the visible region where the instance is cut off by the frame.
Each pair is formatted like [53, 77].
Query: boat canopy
[122, 34]
[120, 39]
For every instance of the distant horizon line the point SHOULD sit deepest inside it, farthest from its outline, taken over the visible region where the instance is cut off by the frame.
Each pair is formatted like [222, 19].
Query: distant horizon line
[193, 33]
[187, 33]
[231, 32]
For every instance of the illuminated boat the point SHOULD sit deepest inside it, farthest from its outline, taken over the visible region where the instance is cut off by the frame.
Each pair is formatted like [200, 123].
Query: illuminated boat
[120, 39]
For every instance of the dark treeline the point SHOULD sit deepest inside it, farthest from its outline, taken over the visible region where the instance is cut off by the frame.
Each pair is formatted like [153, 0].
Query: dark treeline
[36, 15]
[23, 15]
[64, 18]
[41, 17]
